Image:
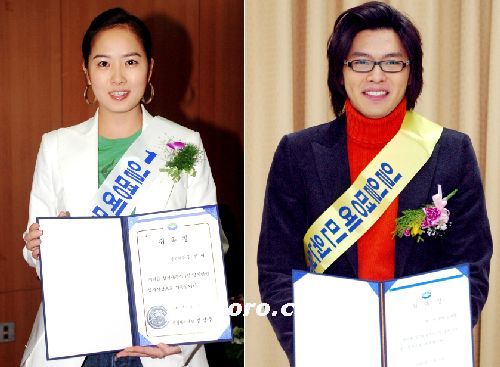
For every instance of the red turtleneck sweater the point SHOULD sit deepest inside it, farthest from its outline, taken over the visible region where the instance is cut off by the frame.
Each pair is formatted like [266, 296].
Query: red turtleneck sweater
[365, 138]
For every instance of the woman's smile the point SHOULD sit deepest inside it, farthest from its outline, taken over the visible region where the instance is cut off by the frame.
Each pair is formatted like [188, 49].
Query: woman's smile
[119, 95]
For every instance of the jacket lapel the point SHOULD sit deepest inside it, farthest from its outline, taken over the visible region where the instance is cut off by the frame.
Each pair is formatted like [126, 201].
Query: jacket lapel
[415, 195]
[332, 166]
[331, 162]
[78, 157]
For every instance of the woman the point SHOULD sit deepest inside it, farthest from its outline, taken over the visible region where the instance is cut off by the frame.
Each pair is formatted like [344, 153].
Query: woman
[73, 162]
[375, 78]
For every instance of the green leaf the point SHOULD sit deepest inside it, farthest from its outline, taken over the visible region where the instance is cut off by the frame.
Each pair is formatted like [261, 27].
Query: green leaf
[183, 160]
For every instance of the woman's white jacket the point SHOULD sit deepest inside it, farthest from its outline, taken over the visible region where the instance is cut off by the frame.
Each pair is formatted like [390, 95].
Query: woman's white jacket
[65, 179]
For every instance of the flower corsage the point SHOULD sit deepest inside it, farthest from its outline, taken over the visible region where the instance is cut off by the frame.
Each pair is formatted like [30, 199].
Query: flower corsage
[182, 157]
[431, 220]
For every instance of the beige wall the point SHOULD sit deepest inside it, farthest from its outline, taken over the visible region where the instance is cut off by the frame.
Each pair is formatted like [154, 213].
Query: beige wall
[285, 90]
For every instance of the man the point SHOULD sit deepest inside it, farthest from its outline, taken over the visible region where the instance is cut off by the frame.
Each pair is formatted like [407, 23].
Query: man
[375, 78]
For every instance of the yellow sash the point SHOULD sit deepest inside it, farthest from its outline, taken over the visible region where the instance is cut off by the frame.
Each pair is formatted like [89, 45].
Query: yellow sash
[353, 213]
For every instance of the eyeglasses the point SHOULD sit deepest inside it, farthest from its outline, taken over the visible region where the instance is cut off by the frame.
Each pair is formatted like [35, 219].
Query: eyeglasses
[388, 66]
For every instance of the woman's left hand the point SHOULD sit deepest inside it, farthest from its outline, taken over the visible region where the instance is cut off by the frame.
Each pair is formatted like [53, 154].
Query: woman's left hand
[160, 351]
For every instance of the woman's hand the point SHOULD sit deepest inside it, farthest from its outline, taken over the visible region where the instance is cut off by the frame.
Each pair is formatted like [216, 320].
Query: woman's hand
[32, 237]
[160, 351]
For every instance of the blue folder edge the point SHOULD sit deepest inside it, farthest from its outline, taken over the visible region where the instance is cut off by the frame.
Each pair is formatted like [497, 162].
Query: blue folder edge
[213, 210]
[462, 268]
[129, 278]
[298, 274]
[128, 222]
[43, 303]
[210, 209]
[143, 340]
[227, 335]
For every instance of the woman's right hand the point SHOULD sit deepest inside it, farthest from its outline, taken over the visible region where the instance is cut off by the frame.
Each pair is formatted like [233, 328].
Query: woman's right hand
[32, 237]
[32, 240]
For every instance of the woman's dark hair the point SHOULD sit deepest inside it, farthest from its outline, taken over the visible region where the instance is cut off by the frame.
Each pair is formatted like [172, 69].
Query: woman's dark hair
[113, 18]
[372, 15]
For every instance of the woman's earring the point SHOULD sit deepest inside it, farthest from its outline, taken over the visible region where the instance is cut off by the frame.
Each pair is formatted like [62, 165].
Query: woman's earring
[86, 97]
[151, 95]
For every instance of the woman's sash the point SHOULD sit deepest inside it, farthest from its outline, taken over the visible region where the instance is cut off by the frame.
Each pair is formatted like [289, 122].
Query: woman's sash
[137, 168]
[358, 208]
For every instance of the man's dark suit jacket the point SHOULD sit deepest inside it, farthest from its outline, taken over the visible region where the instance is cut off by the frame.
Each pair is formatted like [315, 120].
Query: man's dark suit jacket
[310, 171]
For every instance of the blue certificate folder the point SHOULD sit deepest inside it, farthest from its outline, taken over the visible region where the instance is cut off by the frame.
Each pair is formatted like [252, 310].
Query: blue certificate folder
[113, 282]
[422, 320]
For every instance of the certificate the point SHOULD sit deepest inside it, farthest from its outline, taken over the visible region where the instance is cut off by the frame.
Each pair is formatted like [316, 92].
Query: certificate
[113, 282]
[422, 320]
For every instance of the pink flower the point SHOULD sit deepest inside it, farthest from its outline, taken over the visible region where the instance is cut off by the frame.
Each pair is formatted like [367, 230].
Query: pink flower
[176, 145]
[432, 216]
[434, 222]
[440, 204]
[437, 215]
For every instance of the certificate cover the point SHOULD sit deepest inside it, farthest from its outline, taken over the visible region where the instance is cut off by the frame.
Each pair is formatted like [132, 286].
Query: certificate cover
[113, 282]
[422, 320]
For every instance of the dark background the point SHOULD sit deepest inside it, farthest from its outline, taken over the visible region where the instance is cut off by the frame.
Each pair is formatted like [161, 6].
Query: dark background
[198, 80]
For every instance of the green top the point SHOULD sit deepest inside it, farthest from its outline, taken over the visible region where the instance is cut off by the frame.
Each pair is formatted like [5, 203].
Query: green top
[110, 152]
